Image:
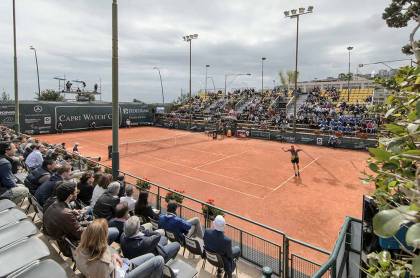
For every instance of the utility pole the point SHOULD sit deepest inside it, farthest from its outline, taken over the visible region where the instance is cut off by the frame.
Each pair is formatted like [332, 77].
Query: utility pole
[115, 108]
[17, 125]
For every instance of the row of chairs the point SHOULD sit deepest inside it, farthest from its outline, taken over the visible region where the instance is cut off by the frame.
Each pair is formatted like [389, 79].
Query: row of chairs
[22, 253]
[195, 248]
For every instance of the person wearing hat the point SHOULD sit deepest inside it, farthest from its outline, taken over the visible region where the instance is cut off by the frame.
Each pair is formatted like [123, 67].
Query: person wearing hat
[217, 242]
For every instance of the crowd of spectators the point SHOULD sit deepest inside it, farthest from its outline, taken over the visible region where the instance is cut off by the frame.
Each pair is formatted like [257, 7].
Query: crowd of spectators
[320, 110]
[84, 206]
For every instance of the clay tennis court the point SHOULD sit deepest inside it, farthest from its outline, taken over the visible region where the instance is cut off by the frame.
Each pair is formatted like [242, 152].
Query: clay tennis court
[250, 177]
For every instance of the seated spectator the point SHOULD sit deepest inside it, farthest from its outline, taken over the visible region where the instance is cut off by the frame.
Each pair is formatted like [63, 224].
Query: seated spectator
[85, 187]
[215, 241]
[129, 197]
[105, 206]
[9, 189]
[143, 209]
[121, 180]
[179, 226]
[135, 242]
[95, 259]
[103, 181]
[46, 189]
[60, 220]
[121, 215]
[40, 175]
[35, 158]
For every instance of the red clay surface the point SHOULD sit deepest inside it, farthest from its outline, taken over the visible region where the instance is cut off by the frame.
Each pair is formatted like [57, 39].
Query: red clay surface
[253, 178]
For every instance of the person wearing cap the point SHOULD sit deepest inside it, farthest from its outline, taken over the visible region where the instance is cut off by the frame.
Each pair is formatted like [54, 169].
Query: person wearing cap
[217, 242]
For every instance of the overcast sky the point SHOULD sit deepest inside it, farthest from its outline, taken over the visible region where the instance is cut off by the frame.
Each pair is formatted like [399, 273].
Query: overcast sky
[73, 38]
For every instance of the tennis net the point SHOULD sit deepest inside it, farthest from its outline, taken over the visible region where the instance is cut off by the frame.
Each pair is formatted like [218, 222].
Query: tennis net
[144, 146]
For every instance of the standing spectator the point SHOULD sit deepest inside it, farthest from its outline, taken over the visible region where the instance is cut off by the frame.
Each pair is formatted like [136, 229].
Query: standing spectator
[95, 259]
[8, 187]
[35, 159]
[46, 189]
[121, 180]
[76, 148]
[129, 197]
[215, 241]
[128, 122]
[105, 206]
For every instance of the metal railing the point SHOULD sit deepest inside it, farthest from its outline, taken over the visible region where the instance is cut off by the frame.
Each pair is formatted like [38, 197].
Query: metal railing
[345, 257]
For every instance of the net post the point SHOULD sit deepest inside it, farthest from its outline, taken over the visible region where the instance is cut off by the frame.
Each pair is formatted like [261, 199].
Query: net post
[285, 257]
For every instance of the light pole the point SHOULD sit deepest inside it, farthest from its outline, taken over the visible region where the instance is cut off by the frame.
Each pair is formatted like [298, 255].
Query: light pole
[17, 126]
[189, 38]
[262, 74]
[296, 14]
[349, 48]
[233, 74]
[161, 85]
[205, 86]
[115, 116]
[37, 70]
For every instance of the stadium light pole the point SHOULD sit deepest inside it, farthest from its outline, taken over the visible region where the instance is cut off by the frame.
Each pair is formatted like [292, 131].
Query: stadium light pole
[17, 126]
[115, 110]
[205, 86]
[37, 70]
[189, 38]
[349, 48]
[296, 13]
[262, 73]
[233, 74]
[161, 86]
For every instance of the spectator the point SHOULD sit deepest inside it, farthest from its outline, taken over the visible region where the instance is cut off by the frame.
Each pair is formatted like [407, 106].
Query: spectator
[105, 206]
[35, 159]
[76, 148]
[215, 241]
[60, 220]
[179, 226]
[40, 175]
[135, 242]
[46, 189]
[85, 187]
[121, 215]
[95, 259]
[9, 189]
[143, 209]
[103, 181]
[129, 197]
[121, 180]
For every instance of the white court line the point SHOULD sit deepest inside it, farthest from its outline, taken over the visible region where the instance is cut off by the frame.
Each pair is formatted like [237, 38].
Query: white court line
[200, 180]
[223, 158]
[291, 177]
[208, 172]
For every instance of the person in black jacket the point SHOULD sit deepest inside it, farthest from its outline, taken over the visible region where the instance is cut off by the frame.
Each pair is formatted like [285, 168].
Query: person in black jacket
[143, 210]
[46, 189]
[85, 187]
[135, 243]
[40, 175]
[105, 205]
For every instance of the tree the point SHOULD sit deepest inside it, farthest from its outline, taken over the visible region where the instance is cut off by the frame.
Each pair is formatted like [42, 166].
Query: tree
[5, 97]
[345, 76]
[50, 95]
[398, 14]
[288, 78]
[395, 164]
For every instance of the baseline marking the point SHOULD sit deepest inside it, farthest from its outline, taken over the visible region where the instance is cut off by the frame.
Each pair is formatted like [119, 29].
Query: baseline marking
[291, 177]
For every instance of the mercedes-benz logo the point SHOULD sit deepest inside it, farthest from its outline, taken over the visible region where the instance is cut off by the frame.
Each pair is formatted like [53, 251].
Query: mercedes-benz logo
[38, 108]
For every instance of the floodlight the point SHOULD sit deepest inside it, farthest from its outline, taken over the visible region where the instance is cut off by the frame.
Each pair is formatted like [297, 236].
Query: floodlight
[286, 13]
[195, 36]
[361, 65]
[350, 48]
[207, 66]
[263, 58]
[32, 48]
[293, 11]
[310, 9]
[301, 10]
[248, 74]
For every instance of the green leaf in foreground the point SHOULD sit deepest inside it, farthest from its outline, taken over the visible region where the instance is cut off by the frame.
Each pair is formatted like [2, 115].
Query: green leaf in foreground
[386, 223]
[413, 236]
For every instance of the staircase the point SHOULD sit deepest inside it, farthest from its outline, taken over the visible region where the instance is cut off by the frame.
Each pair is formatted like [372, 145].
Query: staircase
[300, 100]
